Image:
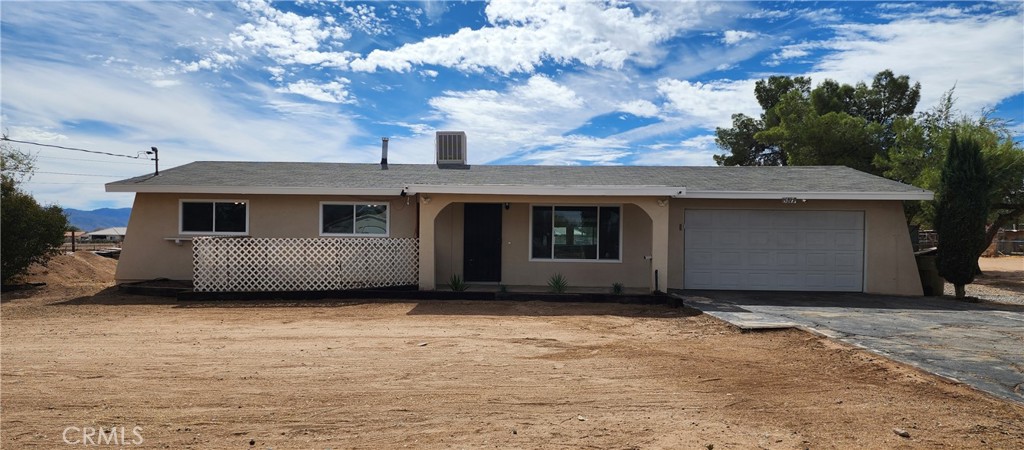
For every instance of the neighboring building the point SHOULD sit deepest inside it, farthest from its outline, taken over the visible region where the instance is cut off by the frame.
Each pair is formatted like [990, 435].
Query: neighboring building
[754, 228]
[114, 234]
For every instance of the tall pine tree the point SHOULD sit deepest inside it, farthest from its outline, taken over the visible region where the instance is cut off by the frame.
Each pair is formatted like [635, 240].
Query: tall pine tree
[961, 212]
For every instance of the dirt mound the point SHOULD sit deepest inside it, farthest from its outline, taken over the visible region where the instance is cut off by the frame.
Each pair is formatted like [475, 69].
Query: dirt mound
[73, 268]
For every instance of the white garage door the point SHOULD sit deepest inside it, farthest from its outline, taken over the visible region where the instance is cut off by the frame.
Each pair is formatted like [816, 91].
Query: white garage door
[774, 250]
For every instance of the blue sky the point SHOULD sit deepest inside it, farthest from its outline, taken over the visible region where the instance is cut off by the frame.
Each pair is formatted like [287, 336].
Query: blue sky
[547, 82]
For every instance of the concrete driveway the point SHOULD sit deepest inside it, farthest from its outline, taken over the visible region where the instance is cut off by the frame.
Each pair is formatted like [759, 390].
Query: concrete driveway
[980, 344]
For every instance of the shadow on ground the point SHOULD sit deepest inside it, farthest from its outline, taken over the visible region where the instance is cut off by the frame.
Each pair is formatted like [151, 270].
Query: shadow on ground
[112, 296]
[842, 300]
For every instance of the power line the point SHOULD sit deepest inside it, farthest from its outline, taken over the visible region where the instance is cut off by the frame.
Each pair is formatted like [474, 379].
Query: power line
[5, 138]
[91, 160]
[45, 182]
[81, 174]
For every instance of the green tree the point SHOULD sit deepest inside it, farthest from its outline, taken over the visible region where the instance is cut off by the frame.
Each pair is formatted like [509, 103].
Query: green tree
[833, 124]
[961, 212]
[919, 152]
[30, 232]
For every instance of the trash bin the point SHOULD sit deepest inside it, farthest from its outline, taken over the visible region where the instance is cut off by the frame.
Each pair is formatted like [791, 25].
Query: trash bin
[931, 283]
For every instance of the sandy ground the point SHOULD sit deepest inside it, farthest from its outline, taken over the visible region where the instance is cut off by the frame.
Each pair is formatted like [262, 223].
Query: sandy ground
[452, 374]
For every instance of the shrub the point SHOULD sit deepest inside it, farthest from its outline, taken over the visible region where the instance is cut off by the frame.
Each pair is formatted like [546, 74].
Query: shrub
[31, 233]
[456, 284]
[557, 283]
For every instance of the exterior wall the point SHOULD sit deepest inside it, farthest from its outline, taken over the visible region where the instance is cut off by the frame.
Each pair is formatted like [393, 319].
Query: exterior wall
[890, 267]
[517, 269]
[651, 227]
[149, 251]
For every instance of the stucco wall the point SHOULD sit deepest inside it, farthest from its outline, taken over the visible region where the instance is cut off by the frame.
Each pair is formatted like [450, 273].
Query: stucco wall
[147, 253]
[890, 265]
[518, 270]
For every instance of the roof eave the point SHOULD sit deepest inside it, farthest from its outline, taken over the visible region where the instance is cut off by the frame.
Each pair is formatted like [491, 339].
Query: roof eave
[778, 195]
[579, 190]
[250, 190]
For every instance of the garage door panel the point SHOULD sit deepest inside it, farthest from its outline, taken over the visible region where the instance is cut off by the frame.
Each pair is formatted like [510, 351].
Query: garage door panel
[759, 259]
[728, 259]
[849, 240]
[758, 239]
[849, 261]
[699, 258]
[788, 259]
[818, 260]
[774, 250]
[699, 239]
[848, 280]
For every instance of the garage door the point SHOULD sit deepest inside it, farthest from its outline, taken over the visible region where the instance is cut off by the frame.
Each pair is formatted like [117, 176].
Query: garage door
[774, 250]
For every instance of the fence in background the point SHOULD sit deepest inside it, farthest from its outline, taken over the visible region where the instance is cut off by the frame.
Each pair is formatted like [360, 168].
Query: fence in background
[229, 264]
[89, 247]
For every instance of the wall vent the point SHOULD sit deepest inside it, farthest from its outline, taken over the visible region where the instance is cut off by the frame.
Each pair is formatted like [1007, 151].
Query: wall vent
[451, 148]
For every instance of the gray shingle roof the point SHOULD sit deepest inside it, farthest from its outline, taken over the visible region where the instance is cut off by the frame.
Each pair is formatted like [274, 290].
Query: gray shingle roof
[334, 176]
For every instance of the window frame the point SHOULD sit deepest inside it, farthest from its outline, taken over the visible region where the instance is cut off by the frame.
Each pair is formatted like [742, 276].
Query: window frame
[529, 248]
[213, 202]
[387, 218]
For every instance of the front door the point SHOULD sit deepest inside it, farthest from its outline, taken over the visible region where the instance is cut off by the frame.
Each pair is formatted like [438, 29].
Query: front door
[482, 242]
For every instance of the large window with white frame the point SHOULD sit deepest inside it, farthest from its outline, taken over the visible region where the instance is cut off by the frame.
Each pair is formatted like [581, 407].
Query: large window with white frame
[576, 233]
[354, 219]
[227, 217]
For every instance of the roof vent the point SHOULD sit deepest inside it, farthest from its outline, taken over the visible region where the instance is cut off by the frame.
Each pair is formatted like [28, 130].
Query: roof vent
[451, 148]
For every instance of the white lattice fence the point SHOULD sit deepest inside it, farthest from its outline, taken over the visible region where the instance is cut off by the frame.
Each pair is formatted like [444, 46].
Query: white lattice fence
[228, 264]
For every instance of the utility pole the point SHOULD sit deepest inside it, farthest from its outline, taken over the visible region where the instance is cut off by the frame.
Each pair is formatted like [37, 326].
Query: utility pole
[156, 160]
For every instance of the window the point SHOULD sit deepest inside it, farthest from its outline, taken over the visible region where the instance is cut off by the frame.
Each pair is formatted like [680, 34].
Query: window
[576, 232]
[353, 219]
[214, 216]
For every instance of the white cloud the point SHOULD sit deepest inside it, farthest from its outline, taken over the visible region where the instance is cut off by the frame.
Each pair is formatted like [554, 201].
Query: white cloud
[733, 37]
[576, 150]
[187, 123]
[429, 73]
[770, 15]
[332, 92]
[364, 18]
[710, 104]
[694, 151]
[525, 117]
[639, 108]
[981, 56]
[822, 15]
[165, 83]
[289, 38]
[793, 51]
[523, 35]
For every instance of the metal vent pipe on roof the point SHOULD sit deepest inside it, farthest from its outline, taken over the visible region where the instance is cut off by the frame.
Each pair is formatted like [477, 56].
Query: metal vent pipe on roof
[384, 153]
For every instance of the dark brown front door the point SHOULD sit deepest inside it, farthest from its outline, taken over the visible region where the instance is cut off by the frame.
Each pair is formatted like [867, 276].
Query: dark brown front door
[482, 242]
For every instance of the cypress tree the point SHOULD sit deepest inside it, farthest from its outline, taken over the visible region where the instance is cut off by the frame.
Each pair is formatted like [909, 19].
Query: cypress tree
[961, 213]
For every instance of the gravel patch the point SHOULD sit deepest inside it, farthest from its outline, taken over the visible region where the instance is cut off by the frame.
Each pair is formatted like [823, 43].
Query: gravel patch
[989, 293]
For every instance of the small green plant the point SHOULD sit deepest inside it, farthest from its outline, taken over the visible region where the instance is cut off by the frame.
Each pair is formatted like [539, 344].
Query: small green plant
[617, 288]
[456, 284]
[557, 283]
[502, 288]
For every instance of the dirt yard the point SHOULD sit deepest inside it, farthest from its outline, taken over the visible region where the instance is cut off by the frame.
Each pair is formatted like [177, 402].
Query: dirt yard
[77, 353]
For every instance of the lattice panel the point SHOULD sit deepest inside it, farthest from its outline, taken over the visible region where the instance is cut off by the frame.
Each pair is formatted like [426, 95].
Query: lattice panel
[229, 264]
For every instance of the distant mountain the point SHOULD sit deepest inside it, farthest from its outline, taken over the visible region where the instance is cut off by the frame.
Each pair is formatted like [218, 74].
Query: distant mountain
[98, 218]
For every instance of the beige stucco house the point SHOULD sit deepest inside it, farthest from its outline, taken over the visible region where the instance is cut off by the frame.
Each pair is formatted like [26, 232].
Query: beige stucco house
[299, 225]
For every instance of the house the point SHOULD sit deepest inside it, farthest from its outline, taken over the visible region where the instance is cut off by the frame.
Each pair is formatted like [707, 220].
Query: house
[239, 226]
[114, 234]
